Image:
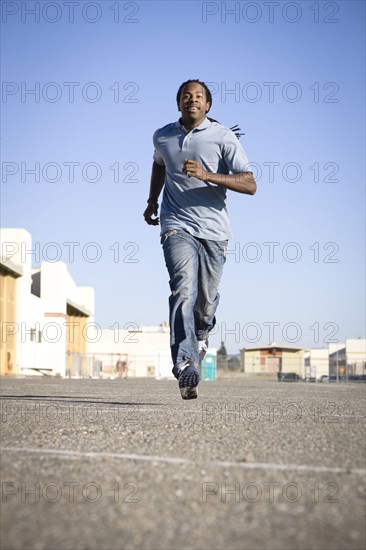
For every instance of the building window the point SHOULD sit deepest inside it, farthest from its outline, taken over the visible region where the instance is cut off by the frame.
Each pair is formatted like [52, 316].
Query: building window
[35, 335]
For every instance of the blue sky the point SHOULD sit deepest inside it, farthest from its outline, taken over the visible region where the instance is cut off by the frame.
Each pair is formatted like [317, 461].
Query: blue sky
[299, 82]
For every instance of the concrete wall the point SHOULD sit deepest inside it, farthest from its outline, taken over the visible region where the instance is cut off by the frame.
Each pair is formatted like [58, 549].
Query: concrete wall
[318, 359]
[251, 362]
[294, 361]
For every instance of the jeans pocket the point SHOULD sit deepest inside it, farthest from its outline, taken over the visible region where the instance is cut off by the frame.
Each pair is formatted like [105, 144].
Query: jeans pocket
[223, 247]
[167, 234]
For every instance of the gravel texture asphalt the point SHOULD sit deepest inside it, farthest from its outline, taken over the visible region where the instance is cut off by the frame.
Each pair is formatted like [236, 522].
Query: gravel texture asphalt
[127, 464]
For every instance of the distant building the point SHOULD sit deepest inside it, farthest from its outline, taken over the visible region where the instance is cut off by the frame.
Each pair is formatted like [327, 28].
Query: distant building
[316, 362]
[144, 349]
[349, 359]
[46, 319]
[272, 359]
[146, 352]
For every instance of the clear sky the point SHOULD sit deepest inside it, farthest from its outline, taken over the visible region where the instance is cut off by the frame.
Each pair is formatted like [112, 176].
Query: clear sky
[104, 76]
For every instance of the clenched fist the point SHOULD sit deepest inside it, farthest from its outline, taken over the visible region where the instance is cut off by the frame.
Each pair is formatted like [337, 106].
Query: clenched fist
[193, 169]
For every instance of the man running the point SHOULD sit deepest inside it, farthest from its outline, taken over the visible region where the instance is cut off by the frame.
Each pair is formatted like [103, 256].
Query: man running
[196, 160]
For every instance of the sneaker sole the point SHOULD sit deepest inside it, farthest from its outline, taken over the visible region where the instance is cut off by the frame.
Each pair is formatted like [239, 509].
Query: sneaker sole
[189, 393]
[188, 382]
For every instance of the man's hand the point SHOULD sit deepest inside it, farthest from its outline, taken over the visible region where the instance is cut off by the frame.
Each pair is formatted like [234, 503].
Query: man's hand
[241, 182]
[193, 169]
[151, 210]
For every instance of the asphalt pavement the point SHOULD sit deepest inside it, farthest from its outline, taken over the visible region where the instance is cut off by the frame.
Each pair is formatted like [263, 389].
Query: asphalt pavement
[127, 464]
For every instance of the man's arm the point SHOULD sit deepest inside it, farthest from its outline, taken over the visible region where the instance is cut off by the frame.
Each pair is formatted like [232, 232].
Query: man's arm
[242, 182]
[156, 185]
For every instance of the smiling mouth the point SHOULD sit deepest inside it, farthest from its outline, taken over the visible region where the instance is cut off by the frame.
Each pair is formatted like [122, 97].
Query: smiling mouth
[192, 109]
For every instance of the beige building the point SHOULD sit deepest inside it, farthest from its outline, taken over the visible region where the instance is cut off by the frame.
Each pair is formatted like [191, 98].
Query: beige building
[348, 359]
[272, 359]
[10, 272]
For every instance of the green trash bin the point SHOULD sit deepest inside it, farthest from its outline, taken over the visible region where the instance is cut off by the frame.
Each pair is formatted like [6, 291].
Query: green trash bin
[208, 366]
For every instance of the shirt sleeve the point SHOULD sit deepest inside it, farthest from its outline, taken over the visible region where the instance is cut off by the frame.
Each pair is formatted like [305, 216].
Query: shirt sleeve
[234, 155]
[157, 156]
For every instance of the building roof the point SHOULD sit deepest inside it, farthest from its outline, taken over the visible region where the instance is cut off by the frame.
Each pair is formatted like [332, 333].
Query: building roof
[11, 267]
[272, 346]
[78, 309]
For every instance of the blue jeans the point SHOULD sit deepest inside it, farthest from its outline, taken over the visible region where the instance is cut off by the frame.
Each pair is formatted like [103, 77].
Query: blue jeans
[195, 268]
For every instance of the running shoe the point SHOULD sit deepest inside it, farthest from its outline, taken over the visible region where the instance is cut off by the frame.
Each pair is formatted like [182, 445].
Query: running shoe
[188, 381]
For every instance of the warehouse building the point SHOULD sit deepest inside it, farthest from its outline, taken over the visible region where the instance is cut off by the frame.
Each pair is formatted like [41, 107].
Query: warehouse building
[46, 319]
[272, 359]
[48, 327]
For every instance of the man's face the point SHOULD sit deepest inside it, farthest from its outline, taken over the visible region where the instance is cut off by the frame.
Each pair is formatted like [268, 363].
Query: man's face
[193, 103]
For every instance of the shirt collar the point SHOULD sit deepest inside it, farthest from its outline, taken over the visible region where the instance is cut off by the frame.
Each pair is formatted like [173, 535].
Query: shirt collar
[204, 124]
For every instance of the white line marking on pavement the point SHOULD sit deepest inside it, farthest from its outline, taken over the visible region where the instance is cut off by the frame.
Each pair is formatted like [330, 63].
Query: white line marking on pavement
[173, 460]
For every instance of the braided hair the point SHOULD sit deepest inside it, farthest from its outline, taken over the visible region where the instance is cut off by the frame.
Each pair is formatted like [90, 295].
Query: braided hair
[235, 128]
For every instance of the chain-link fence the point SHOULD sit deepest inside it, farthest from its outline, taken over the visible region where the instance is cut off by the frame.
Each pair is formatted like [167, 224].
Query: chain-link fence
[82, 365]
[109, 365]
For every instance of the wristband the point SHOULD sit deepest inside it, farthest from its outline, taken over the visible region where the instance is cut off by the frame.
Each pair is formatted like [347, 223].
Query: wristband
[152, 199]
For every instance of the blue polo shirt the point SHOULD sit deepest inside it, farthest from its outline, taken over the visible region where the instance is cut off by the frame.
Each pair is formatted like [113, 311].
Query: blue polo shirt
[189, 203]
